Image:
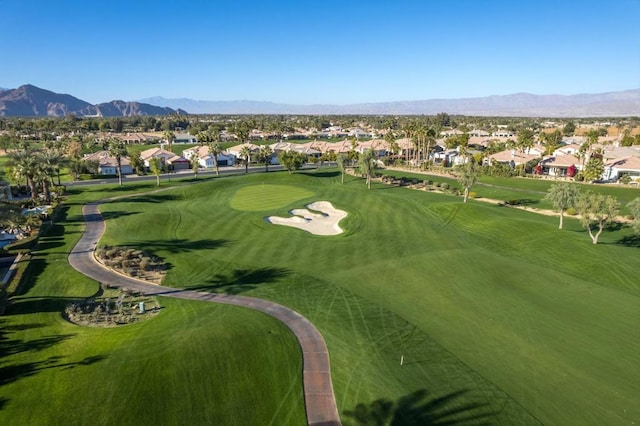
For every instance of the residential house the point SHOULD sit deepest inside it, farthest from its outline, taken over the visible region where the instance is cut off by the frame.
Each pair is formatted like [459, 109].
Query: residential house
[132, 138]
[185, 138]
[629, 166]
[569, 149]
[107, 164]
[503, 134]
[205, 159]
[449, 133]
[176, 162]
[512, 157]
[475, 133]
[236, 149]
[379, 147]
[561, 165]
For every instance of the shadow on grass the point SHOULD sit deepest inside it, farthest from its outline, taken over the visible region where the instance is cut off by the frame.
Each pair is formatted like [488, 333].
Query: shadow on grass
[14, 372]
[117, 214]
[30, 305]
[150, 198]
[242, 280]
[177, 245]
[521, 202]
[420, 409]
[326, 174]
[630, 241]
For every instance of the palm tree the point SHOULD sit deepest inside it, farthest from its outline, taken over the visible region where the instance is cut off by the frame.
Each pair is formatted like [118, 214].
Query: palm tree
[245, 154]
[367, 163]
[43, 174]
[341, 160]
[265, 156]
[55, 160]
[215, 149]
[170, 137]
[117, 149]
[25, 166]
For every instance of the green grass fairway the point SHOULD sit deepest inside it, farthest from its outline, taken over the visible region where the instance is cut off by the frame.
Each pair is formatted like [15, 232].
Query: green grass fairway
[263, 197]
[195, 363]
[499, 317]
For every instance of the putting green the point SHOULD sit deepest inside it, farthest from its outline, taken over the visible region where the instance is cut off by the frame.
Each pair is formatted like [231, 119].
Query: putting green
[257, 198]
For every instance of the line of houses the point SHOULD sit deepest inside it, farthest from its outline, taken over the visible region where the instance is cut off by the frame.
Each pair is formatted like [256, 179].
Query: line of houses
[563, 162]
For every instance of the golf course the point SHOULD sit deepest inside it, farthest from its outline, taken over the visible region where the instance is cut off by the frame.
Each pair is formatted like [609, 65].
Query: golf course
[434, 311]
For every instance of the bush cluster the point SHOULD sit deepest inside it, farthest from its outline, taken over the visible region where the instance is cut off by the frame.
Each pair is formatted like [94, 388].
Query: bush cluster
[129, 260]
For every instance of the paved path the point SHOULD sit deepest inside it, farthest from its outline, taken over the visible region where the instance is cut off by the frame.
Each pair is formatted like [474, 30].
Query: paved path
[320, 402]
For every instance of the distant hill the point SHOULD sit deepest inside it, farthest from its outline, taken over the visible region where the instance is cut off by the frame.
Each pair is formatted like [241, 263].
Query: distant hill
[32, 101]
[612, 104]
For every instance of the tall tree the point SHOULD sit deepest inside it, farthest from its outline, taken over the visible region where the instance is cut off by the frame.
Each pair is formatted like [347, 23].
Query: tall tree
[245, 154]
[634, 206]
[156, 165]
[242, 130]
[596, 212]
[593, 170]
[264, 155]
[468, 174]
[25, 166]
[54, 160]
[170, 137]
[341, 160]
[195, 164]
[117, 149]
[214, 138]
[524, 143]
[291, 160]
[563, 196]
[367, 165]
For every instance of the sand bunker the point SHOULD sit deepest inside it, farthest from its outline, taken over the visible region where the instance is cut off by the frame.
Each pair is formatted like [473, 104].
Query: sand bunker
[323, 223]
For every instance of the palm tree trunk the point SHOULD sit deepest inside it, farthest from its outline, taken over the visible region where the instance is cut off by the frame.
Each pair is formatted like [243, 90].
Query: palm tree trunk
[32, 187]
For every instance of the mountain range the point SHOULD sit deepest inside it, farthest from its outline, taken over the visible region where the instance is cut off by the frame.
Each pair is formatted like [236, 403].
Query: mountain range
[32, 101]
[611, 104]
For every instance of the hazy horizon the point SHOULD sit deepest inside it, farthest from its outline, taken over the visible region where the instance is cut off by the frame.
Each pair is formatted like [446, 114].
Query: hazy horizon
[330, 53]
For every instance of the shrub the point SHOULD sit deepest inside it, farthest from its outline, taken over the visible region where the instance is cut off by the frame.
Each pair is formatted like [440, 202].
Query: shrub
[472, 194]
[144, 263]
[436, 184]
[444, 185]
[571, 211]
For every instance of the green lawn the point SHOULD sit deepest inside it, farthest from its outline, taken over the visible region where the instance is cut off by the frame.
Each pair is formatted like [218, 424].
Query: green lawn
[195, 363]
[526, 191]
[500, 317]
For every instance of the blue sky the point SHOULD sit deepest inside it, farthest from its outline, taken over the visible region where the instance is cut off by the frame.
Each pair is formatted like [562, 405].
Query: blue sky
[319, 51]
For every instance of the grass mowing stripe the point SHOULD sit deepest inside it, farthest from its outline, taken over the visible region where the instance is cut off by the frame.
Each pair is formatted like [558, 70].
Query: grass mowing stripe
[496, 301]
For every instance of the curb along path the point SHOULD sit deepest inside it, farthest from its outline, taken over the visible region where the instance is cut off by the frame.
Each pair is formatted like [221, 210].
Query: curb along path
[320, 403]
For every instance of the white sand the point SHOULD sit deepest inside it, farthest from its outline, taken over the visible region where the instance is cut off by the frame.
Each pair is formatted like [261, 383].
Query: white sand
[323, 223]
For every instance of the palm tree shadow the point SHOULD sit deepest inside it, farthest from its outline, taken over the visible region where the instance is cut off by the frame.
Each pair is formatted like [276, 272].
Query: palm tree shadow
[242, 280]
[420, 409]
[177, 245]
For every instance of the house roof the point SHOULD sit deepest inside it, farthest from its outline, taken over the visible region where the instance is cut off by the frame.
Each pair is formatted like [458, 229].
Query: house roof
[509, 154]
[105, 159]
[627, 163]
[237, 148]
[562, 161]
[168, 156]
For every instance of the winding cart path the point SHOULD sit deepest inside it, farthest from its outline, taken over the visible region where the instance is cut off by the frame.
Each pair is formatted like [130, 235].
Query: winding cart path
[320, 403]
